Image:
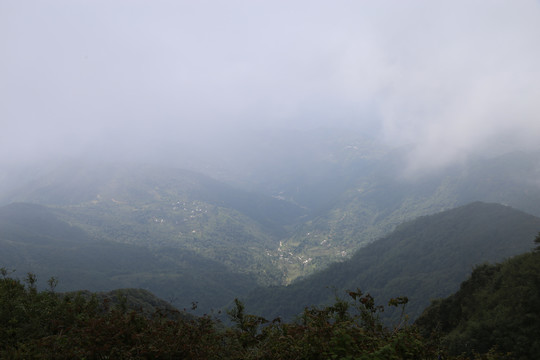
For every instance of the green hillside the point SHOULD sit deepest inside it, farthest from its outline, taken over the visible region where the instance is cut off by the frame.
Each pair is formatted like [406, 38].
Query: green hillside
[161, 208]
[33, 238]
[499, 305]
[423, 259]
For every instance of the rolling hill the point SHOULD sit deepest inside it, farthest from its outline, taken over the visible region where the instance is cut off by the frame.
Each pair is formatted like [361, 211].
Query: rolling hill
[34, 238]
[162, 208]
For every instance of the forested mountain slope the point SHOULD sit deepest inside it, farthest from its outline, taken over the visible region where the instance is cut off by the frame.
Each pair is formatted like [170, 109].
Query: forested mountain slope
[74, 182]
[33, 238]
[159, 208]
[499, 305]
[423, 259]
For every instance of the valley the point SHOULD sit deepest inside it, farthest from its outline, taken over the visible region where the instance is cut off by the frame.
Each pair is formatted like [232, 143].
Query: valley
[304, 210]
[423, 259]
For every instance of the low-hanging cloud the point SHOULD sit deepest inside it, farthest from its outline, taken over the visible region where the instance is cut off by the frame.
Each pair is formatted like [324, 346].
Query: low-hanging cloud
[116, 76]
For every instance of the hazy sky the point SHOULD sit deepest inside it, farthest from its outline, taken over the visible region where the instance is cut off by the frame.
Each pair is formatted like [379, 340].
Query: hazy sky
[450, 76]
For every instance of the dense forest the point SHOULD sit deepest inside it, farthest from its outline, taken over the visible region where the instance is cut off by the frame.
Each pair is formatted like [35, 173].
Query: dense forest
[48, 325]
[34, 238]
[499, 305]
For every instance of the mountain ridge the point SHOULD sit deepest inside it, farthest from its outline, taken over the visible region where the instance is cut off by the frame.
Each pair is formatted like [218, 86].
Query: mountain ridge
[422, 259]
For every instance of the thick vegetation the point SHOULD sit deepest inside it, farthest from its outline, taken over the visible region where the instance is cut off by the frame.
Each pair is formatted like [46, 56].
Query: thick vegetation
[34, 239]
[499, 305]
[45, 325]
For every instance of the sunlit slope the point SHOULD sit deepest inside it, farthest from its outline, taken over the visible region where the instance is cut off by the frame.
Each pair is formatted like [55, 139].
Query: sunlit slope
[160, 208]
[33, 238]
[422, 259]
[382, 198]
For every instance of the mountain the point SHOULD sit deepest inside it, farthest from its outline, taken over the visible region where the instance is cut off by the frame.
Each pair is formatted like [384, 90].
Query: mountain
[422, 259]
[498, 305]
[74, 182]
[36, 239]
[162, 208]
[287, 204]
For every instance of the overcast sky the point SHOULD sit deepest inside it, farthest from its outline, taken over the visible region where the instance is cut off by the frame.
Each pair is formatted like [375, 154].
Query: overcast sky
[450, 76]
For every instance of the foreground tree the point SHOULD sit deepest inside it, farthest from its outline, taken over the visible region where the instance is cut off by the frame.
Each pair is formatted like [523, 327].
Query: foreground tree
[46, 325]
[498, 307]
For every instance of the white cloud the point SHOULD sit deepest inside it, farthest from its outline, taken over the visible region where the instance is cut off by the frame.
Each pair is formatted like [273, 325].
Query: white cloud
[452, 77]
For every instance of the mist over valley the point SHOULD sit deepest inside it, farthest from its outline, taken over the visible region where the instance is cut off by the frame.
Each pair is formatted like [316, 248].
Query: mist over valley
[203, 238]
